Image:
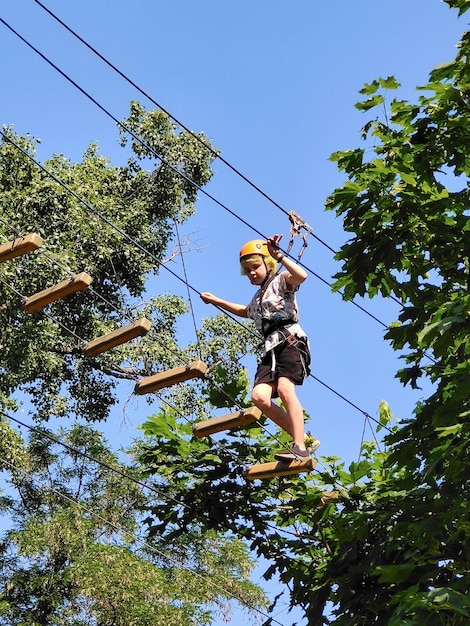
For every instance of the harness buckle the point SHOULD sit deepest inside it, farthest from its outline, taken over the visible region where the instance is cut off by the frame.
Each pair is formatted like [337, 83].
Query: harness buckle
[291, 340]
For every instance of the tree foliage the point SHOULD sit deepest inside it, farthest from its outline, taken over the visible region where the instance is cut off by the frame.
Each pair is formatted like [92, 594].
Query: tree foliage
[75, 553]
[406, 209]
[82, 211]
[382, 541]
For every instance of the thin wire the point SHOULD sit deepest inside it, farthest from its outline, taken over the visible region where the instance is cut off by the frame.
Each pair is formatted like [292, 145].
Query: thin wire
[93, 459]
[174, 169]
[61, 324]
[349, 402]
[74, 450]
[142, 249]
[138, 139]
[136, 376]
[150, 547]
[245, 328]
[362, 437]
[124, 312]
[139, 483]
[214, 152]
[183, 265]
[209, 378]
[128, 374]
[124, 127]
[82, 341]
[218, 445]
[91, 208]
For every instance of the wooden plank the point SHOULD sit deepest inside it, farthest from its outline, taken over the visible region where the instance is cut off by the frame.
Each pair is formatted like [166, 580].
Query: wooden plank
[20, 246]
[117, 337]
[71, 285]
[280, 468]
[226, 422]
[171, 377]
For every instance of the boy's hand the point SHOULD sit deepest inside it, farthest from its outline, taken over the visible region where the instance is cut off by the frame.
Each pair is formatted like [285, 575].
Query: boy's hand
[208, 297]
[273, 246]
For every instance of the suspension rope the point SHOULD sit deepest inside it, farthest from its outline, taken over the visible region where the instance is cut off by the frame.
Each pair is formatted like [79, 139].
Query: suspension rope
[174, 169]
[185, 274]
[140, 247]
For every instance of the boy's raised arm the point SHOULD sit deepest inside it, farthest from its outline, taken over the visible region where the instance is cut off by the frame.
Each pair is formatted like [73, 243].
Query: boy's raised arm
[297, 274]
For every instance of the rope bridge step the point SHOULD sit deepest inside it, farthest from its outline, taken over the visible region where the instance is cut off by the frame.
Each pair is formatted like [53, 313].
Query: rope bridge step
[117, 337]
[39, 300]
[171, 377]
[20, 246]
[226, 422]
[280, 468]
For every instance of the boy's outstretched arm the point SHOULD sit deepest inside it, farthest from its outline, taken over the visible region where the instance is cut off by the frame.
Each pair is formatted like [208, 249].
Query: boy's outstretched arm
[231, 307]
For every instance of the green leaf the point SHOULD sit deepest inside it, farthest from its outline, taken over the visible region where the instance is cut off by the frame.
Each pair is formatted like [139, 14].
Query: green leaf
[359, 470]
[393, 574]
[370, 103]
[370, 88]
[389, 83]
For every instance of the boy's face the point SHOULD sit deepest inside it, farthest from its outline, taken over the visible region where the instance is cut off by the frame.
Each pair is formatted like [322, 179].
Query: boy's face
[255, 270]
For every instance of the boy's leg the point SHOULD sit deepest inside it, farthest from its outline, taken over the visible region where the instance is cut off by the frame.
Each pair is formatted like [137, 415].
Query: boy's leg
[262, 398]
[294, 414]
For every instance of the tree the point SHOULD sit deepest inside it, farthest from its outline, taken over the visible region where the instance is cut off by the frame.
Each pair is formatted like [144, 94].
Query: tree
[82, 210]
[383, 541]
[61, 563]
[76, 554]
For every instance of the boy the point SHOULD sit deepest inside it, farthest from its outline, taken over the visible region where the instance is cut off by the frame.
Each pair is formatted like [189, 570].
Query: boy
[285, 357]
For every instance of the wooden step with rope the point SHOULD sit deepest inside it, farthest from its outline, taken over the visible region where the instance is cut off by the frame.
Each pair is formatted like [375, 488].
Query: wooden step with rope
[226, 422]
[78, 282]
[280, 468]
[117, 337]
[197, 369]
[20, 246]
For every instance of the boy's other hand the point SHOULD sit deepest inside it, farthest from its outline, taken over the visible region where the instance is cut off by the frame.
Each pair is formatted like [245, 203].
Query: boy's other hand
[208, 297]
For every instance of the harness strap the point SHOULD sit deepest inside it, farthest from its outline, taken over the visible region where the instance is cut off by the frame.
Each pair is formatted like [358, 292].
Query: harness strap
[267, 330]
[267, 282]
[301, 344]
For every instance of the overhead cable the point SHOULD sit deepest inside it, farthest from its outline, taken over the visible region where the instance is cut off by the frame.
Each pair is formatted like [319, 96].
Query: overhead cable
[171, 116]
[174, 169]
[132, 240]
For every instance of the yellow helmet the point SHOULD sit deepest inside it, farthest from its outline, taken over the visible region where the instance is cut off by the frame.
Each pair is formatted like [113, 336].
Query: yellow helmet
[256, 246]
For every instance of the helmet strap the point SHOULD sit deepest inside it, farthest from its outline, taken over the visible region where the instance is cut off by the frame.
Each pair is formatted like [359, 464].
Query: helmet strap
[267, 278]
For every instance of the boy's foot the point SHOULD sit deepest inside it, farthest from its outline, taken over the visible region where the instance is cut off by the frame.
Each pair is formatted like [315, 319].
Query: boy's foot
[295, 453]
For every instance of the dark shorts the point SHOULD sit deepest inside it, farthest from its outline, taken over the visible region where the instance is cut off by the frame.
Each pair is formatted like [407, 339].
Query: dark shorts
[292, 361]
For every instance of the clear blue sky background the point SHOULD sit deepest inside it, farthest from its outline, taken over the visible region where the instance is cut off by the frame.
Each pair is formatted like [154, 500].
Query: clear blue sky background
[273, 84]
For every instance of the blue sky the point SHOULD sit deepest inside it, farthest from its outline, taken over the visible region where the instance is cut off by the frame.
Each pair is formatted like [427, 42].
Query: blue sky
[273, 84]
